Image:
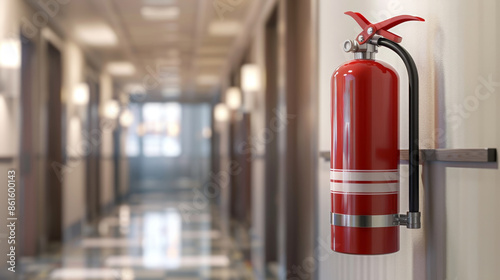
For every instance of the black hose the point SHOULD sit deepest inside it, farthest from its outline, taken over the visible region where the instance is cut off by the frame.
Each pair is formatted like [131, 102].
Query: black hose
[413, 145]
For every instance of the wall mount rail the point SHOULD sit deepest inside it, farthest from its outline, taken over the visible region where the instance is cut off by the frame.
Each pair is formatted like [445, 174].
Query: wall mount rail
[449, 155]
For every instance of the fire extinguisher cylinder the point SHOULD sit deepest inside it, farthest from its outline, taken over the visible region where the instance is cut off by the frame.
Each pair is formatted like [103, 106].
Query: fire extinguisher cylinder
[364, 171]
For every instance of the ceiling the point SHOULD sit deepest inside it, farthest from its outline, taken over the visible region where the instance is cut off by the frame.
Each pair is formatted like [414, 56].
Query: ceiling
[177, 47]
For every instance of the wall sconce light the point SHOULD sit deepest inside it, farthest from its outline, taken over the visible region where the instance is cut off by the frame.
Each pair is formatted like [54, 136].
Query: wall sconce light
[126, 118]
[233, 98]
[221, 113]
[250, 83]
[250, 77]
[112, 109]
[10, 54]
[81, 94]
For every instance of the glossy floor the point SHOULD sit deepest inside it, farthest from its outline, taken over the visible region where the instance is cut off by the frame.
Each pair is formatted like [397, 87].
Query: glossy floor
[152, 236]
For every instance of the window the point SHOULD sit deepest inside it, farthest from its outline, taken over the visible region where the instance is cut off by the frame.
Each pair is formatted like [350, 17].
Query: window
[160, 129]
[133, 133]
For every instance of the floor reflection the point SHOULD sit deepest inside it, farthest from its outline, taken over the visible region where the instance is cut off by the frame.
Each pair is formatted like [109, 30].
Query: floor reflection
[162, 240]
[146, 239]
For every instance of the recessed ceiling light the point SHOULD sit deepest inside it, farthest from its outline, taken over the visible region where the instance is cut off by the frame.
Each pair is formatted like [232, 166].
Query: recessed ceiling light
[121, 68]
[209, 61]
[99, 35]
[159, 2]
[212, 50]
[170, 91]
[160, 13]
[207, 80]
[135, 88]
[224, 28]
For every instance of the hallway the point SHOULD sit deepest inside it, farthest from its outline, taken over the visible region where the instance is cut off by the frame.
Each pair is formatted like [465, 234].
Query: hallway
[148, 238]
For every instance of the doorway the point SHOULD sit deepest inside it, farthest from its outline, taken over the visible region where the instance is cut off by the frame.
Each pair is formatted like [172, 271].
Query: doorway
[93, 196]
[55, 144]
[28, 174]
[271, 155]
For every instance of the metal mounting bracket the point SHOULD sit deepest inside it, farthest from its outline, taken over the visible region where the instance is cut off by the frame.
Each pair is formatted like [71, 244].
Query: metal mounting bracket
[450, 155]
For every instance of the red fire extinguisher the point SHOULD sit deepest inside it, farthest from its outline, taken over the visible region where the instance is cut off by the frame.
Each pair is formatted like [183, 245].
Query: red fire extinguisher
[364, 174]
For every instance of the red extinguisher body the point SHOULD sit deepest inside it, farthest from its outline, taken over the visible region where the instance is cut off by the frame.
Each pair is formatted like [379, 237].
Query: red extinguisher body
[364, 172]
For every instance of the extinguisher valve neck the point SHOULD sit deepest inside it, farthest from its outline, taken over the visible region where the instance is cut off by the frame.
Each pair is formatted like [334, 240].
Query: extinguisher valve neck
[365, 51]
[364, 55]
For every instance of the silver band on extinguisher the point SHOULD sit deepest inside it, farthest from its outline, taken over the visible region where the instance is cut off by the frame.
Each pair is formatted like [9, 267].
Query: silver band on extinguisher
[365, 221]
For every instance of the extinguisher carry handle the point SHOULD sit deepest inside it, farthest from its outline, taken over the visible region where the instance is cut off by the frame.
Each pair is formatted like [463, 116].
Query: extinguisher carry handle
[381, 28]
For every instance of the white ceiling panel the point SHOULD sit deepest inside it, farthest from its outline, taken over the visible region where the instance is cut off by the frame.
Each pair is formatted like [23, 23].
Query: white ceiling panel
[189, 36]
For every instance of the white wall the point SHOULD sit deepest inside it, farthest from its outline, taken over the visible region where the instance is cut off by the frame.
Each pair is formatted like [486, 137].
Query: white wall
[124, 164]
[74, 180]
[257, 130]
[455, 51]
[107, 175]
[256, 47]
[8, 119]
[10, 13]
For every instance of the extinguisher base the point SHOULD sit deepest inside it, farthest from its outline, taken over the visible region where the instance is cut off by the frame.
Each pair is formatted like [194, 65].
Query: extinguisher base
[365, 241]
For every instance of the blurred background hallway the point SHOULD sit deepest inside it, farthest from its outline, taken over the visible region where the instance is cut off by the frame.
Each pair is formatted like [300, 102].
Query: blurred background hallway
[131, 160]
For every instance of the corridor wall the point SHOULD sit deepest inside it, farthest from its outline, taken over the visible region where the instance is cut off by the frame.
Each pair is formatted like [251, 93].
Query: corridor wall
[107, 179]
[9, 112]
[75, 170]
[458, 109]
[15, 17]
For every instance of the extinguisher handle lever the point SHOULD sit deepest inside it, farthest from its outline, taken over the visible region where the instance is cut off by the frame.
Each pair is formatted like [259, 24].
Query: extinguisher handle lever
[359, 18]
[381, 28]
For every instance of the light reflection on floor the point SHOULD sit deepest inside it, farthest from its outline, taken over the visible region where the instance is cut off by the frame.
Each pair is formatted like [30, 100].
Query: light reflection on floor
[168, 264]
[162, 240]
[146, 240]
